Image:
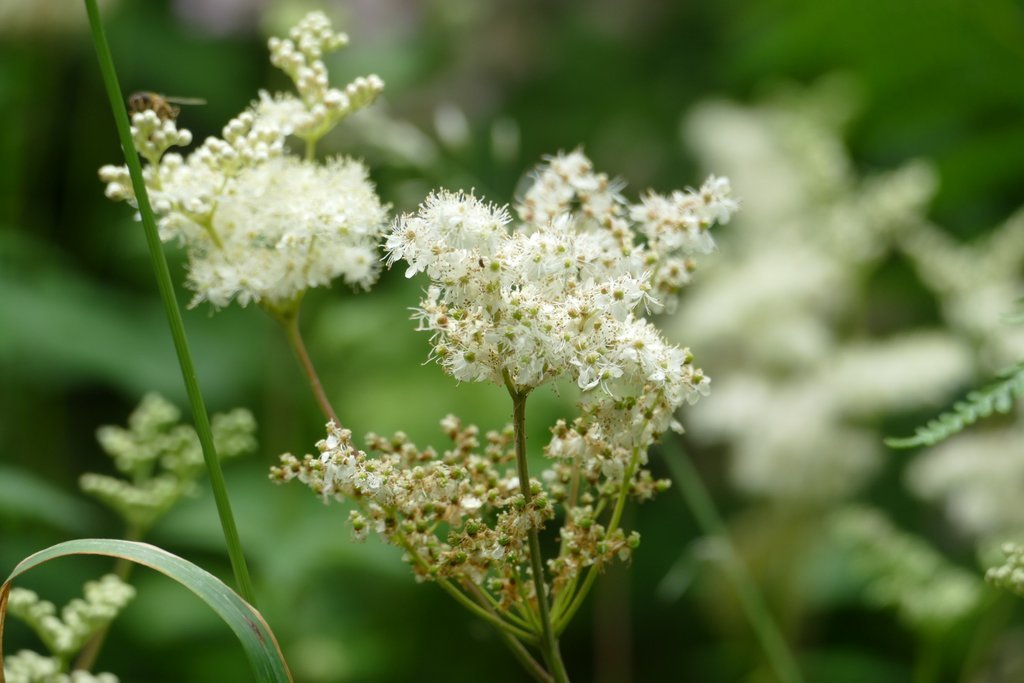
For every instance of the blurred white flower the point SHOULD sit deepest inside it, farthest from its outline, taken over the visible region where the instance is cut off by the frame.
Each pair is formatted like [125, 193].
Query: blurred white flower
[977, 476]
[771, 318]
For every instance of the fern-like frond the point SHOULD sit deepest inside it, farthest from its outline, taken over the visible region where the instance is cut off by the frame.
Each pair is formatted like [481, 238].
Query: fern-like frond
[997, 397]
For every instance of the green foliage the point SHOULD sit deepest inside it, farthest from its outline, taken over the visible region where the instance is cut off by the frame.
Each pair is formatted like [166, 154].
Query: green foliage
[161, 459]
[997, 397]
[259, 643]
[903, 572]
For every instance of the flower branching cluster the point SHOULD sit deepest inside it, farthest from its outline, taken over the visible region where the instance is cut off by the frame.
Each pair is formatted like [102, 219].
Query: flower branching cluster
[460, 514]
[259, 223]
[161, 459]
[64, 634]
[559, 294]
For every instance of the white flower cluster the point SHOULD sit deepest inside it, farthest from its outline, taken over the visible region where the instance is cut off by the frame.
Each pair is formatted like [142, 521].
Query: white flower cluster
[778, 319]
[65, 634]
[978, 284]
[294, 225]
[558, 294]
[977, 477]
[259, 224]
[161, 458]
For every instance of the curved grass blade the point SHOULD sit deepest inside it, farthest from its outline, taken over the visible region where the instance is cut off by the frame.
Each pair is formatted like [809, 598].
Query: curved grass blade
[257, 639]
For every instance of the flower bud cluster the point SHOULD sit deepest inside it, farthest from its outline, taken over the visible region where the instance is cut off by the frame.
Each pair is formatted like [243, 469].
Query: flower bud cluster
[1009, 575]
[153, 136]
[66, 633]
[260, 225]
[299, 56]
[461, 513]
[31, 667]
[594, 457]
[161, 459]
[585, 542]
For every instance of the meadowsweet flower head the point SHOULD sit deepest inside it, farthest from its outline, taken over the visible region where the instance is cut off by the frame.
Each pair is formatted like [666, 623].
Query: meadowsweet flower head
[560, 293]
[259, 224]
[288, 226]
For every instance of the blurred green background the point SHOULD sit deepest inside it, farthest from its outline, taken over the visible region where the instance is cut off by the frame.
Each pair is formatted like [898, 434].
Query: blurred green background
[487, 88]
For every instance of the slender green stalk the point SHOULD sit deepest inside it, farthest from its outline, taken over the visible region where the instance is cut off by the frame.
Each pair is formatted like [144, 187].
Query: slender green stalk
[451, 589]
[163, 278]
[997, 609]
[521, 653]
[491, 603]
[290, 322]
[697, 498]
[482, 612]
[549, 641]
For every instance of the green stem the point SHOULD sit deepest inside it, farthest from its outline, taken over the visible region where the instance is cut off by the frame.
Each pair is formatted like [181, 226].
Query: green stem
[482, 612]
[549, 641]
[697, 498]
[461, 598]
[996, 610]
[310, 149]
[163, 278]
[492, 604]
[521, 653]
[290, 322]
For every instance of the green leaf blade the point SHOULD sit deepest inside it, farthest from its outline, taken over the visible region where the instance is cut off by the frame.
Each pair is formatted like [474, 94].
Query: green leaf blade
[257, 639]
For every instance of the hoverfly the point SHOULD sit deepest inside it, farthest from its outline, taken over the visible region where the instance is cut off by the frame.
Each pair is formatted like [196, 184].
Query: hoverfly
[166, 108]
